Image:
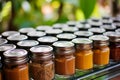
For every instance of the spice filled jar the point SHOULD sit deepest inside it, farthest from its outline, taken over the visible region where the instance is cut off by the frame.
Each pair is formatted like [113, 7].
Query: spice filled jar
[42, 65]
[109, 27]
[100, 49]
[59, 25]
[83, 27]
[69, 29]
[97, 31]
[64, 58]
[83, 54]
[114, 39]
[43, 28]
[15, 65]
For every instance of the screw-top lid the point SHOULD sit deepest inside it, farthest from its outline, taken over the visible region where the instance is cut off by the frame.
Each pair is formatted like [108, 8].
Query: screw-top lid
[70, 29]
[99, 40]
[9, 33]
[83, 33]
[63, 44]
[59, 25]
[66, 36]
[3, 41]
[113, 36]
[71, 23]
[83, 26]
[26, 30]
[97, 30]
[36, 34]
[41, 49]
[54, 31]
[47, 39]
[6, 47]
[117, 31]
[17, 37]
[15, 56]
[82, 41]
[28, 43]
[43, 28]
[108, 27]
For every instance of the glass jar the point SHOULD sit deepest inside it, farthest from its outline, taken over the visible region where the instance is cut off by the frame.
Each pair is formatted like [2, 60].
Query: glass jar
[100, 49]
[47, 40]
[64, 58]
[66, 36]
[34, 35]
[10, 33]
[26, 30]
[42, 65]
[15, 65]
[83, 34]
[83, 54]
[114, 45]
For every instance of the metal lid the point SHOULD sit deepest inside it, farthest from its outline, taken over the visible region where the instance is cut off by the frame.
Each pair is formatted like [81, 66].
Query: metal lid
[71, 23]
[54, 31]
[6, 47]
[108, 27]
[99, 38]
[28, 43]
[96, 24]
[104, 21]
[113, 36]
[63, 44]
[83, 33]
[66, 36]
[117, 31]
[17, 37]
[43, 28]
[15, 53]
[9, 33]
[3, 41]
[83, 26]
[82, 41]
[48, 39]
[97, 30]
[36, 34]
[70, 29]
[26, 30]
[41, 49]
[59, 25]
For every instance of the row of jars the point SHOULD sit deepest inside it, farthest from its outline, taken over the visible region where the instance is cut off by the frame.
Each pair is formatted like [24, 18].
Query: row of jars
[63, 58]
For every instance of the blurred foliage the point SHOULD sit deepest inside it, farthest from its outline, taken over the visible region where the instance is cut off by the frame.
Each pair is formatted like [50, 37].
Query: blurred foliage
[31, 13]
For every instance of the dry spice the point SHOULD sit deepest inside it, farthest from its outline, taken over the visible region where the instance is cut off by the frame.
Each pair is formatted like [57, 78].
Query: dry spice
[42, 65]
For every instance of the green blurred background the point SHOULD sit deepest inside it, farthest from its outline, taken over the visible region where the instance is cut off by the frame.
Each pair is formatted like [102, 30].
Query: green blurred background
[15, 14]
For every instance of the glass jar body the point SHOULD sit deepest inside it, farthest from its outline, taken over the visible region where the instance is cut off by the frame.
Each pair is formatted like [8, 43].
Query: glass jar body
[42, 70]
[84, 59]
[115, 51]
[64, 64]
[101, 55]
[16, 72]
